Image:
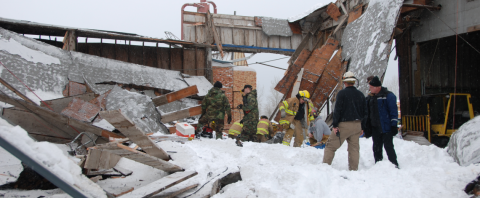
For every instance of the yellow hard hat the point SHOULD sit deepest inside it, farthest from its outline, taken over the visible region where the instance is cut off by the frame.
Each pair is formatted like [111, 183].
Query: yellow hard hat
[304, 94]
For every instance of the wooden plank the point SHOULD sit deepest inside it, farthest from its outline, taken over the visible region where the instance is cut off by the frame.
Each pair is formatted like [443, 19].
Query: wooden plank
[285, 42]
[45, 138]
[189, 62]
[319, 59]
[333, 11]
[284, 85]
[160, 185]
[262, 39]
[250, 38]
[238, 36]
[174, 96]
[331, 23]
[60, 119]
[237, 17]
[108, 160]
[93, 159]
[34, 124]
[137, 136]
[11, 88]
[216, 37]
[296, 40]
[355, 14]
[123, 171]
[175, 193]
[189, 31]
[129, 153]
[227, 35]
[340, 24]
[70, 40]
[182, 114]
[274, 41]
[200, 61]
[200, 35]
[172, 138]
[61, 103]
[473, 28]
[329, 80]
[303, 45]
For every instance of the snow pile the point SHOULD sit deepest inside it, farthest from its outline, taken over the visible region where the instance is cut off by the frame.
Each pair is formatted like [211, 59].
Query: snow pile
[366, 40]
[309, 11]
[464, 145]
[43, 95]
[51, 157]
[279, 171]
[275, 27]
[28, 54]
[203, 85]
[137, 107]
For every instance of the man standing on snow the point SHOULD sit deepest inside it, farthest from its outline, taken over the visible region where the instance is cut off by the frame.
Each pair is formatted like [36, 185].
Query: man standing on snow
[381, 122]
[214, 106]
[250, 112]
[347, 122]
[296, 117]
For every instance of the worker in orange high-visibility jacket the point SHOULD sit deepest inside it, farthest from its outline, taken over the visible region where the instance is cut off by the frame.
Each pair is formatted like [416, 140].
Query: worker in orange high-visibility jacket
[296, 115]
[264, 129]
[235, 130]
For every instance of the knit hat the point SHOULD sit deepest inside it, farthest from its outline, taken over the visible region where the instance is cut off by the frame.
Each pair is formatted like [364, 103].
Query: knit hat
[247, 86]
[218, 84]
[375, 82]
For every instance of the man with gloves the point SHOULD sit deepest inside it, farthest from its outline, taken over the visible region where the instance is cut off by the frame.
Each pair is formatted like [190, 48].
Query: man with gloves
[381, 122]
[214, 106]
[296, 115]
[251, 114]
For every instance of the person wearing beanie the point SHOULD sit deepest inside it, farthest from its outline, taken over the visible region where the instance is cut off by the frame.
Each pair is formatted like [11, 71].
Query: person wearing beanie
[381, 122]
[348, 114]
[251, 114]
[214, 106]
[218, 84]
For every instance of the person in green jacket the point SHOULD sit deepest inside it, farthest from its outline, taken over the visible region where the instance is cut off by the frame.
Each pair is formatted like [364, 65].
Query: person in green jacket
[214, 106]
[251, 114]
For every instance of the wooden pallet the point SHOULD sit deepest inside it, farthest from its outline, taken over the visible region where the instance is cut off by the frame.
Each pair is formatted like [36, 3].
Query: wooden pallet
[135, 134]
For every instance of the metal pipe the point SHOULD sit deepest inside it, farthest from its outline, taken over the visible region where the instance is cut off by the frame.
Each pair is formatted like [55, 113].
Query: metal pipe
[183, 8]
[439, 7]
[41, 169]
[214, 6]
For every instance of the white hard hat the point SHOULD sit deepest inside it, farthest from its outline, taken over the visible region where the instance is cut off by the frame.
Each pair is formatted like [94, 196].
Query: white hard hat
[349, 77]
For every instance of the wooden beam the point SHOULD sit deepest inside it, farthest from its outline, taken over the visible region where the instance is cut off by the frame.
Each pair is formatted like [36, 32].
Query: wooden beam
[473, 28]
[181, 114]
[342, 21]
[174, 96]
[135, 134]
[174, 194]
[160, 185]
[70, 40]
[140, 157]
[215, 34]
[11, 88]
[60, 119]
[61, 103]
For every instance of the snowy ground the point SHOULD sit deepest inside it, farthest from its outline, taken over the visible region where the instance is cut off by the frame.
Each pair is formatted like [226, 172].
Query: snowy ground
[280, 171]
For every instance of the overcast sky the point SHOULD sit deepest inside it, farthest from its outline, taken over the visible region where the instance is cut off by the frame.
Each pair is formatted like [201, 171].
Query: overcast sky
[154, 17]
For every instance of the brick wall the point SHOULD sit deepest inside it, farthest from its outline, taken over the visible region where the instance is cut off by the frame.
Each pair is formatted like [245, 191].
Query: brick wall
[233, 81]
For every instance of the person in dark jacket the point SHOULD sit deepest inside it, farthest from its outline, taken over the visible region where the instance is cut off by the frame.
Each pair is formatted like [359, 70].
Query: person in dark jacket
[381, 122]
[348, 115]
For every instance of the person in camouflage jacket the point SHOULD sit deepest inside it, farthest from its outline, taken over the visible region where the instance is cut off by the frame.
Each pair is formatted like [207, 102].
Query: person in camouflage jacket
[251, 114]
[214, 106]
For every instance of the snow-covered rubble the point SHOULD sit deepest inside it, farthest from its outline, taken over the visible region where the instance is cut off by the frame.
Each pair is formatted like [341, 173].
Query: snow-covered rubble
[50, 156]
[464, 145]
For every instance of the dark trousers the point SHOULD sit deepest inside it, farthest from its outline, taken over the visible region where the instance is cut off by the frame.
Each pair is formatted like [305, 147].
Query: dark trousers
[384, 140]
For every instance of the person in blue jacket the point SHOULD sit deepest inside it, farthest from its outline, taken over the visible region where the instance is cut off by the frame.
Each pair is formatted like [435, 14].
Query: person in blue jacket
[381, 121]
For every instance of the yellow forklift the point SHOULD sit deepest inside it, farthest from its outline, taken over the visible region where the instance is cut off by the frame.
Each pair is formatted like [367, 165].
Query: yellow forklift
[441, 122]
